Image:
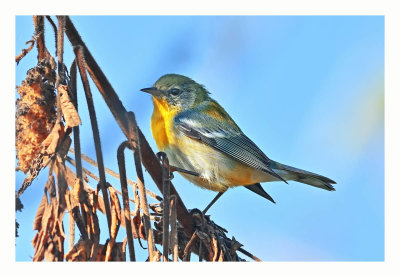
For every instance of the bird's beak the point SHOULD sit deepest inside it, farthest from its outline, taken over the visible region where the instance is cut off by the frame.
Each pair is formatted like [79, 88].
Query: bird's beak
[153, 91]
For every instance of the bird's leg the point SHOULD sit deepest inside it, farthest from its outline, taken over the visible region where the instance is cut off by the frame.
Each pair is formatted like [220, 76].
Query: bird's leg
[213, 201]
[174, 168]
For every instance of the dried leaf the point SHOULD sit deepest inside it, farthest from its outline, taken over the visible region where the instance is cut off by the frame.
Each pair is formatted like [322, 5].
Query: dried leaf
[94, 201]
[203, 236]
[49, 253]
[115, 220]
[156, 256]
[48, 242]
[100, 253]
[50, 186]
[221, 256]
[64, 147]
[235, 245]
[71, 115]
[225, 251]
[53, 139]
[215, 248]
[188, 248]
[119, 252]
[68, 201]
[142, 233]
[76, 192]
[37, 222]
[62, 186]
[115, 202]
[79, 252]
[70, 177]
[156, 207]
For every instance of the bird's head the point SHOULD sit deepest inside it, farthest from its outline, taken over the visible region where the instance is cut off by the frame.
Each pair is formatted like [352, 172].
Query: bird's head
[178, 91]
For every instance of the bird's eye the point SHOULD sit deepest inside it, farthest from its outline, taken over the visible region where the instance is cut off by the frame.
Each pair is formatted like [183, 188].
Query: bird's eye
[175, 91]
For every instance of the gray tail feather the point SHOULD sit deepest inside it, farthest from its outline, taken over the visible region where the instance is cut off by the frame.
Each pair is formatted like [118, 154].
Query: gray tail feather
[257, 188]
[302, 176]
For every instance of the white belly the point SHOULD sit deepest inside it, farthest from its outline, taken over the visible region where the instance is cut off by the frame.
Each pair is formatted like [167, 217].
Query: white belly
[217, 171]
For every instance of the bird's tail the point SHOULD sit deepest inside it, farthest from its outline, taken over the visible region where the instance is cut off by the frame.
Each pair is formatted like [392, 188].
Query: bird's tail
[302, 176]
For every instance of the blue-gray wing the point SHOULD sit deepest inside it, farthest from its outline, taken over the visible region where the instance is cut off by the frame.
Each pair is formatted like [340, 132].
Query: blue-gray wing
[226, 138]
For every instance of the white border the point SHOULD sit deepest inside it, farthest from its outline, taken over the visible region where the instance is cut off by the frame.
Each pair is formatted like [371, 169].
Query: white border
[172, 7]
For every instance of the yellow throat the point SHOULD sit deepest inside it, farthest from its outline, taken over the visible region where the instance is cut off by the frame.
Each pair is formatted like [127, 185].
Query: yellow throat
[161, 123]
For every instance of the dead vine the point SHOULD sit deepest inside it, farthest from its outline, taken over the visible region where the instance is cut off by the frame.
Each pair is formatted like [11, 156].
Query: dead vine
[46, 117]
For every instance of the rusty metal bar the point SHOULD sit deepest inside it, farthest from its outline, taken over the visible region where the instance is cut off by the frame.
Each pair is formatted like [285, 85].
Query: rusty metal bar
[149, 159]
[125, 198]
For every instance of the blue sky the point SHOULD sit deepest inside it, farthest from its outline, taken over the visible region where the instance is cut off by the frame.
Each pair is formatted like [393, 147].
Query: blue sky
[308, 90]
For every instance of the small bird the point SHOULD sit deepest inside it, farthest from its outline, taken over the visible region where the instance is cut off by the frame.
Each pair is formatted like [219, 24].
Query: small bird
[198, 135]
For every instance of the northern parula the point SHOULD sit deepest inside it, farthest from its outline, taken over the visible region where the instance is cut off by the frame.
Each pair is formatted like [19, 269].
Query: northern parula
[197, 134]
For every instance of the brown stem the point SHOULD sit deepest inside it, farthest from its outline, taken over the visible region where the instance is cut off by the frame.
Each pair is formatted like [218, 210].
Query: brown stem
[93, 176]
[188, 248]
[95, 130]
[60, 49]
[60, 73]
[38, 22]
[166, 190]
[200, 251]
[142, 189]
[125, 198]
[77, 144]
[25, 51]
[54, 29]
[174, 231]
[118, 110]
[112, 173]
[249, 255]
[71, 232]
[152, 166]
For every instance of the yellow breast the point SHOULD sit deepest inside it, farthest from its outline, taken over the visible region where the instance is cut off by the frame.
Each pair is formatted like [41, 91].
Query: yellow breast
[161, 124]
[218, 171]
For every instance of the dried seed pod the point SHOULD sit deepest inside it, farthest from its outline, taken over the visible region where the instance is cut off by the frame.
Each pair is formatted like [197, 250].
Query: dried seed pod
[35, 113]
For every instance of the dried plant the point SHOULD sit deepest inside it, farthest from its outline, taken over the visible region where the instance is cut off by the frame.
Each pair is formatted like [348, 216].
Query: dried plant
[36, 114]
[45, 122]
